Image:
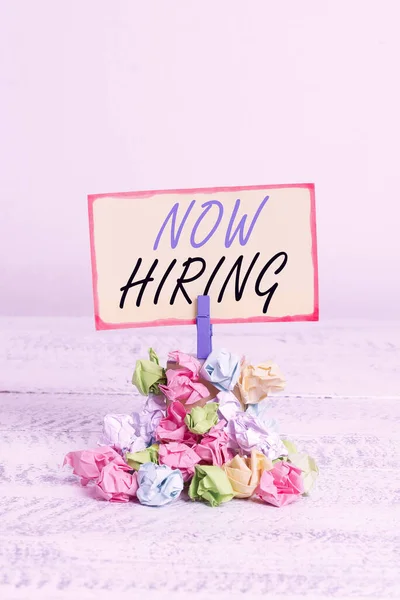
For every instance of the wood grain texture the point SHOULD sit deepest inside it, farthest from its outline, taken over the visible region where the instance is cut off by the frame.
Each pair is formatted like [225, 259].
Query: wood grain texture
[342, 405]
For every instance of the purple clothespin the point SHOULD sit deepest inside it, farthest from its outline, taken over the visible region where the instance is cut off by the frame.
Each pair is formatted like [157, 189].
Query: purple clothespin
[204, 327]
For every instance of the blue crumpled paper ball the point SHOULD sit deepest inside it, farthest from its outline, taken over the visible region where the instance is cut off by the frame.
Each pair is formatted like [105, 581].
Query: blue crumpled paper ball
[158, 484]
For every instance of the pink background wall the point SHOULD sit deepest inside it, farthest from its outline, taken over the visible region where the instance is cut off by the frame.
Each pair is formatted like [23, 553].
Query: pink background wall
[100, 96]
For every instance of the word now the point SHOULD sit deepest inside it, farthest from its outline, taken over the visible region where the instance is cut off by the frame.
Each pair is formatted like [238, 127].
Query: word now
[218, 207]
[187, 275]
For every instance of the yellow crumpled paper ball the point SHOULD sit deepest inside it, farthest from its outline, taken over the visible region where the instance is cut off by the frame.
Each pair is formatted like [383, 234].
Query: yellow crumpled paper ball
[244, 473]
[255, 382]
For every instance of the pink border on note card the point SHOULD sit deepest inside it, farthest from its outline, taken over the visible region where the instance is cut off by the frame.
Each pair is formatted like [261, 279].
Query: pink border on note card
[100, 324]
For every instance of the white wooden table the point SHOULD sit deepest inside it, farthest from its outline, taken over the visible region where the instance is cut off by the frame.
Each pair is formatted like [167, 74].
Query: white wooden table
[58, 377]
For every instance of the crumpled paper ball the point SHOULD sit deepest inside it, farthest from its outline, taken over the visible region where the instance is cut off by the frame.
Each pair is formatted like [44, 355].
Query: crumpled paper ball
[179, 456]
[307, 464]
[281, 485]
[256, 382]
[244, 472]
[210, 484]
[181, 387]
[147, 420]
[183, 382]
[173, 428]
[201, 418]
[213, 447]
[228, 405]
[148, 374]
[222, 369]
[248, 431]
[88, 464]
[188, 364]
[119, 432]
[116, 483]
[158, 485]
[136, 459]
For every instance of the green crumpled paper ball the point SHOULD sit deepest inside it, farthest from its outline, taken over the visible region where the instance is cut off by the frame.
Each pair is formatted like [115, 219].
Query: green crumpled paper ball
[211, 484]
[201, 418]
[136, 459]
[304, 462]
[149, 374]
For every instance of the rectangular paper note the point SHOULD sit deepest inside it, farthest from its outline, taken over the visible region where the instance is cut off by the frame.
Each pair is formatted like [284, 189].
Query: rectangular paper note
[251, 249]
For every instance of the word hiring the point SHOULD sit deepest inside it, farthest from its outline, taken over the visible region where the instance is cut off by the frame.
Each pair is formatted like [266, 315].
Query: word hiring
[195, 268]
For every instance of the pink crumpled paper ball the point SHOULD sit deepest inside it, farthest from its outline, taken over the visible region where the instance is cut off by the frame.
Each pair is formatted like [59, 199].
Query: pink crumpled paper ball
[183, 382]
[213, 448]
[88, 464]
[116, 483]
[173, 427]
[179, 456]
[189, 364]
[281, 485]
